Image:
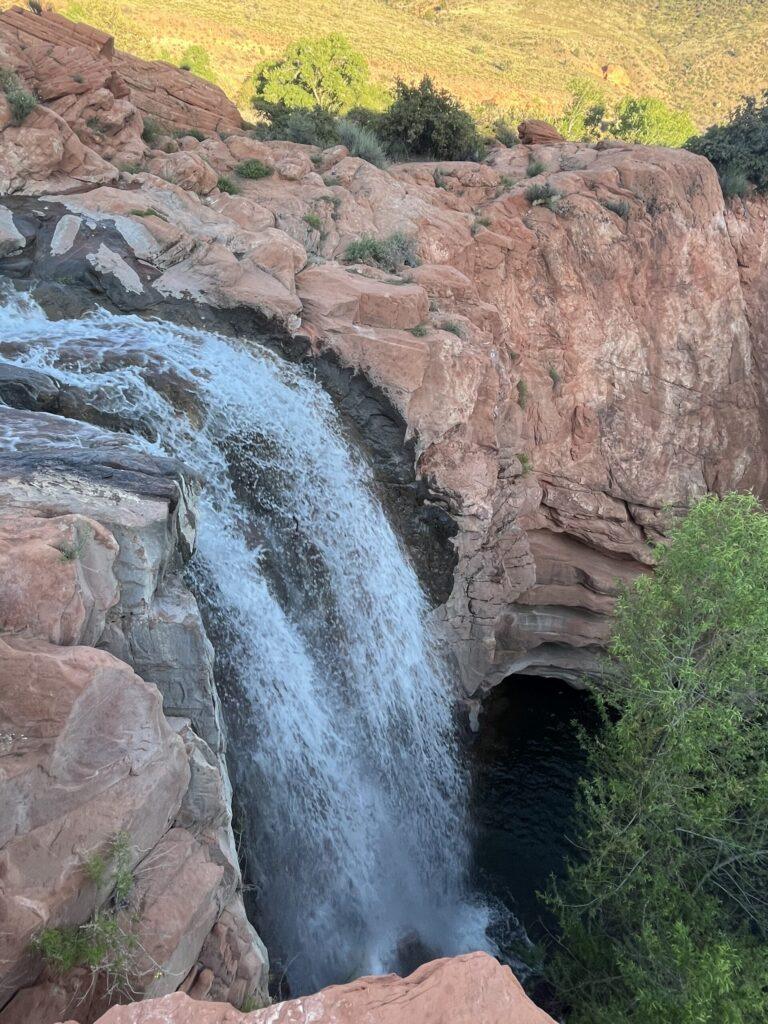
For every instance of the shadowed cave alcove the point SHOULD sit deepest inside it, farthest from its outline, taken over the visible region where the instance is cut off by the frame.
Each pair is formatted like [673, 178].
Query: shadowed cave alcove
[526, 762]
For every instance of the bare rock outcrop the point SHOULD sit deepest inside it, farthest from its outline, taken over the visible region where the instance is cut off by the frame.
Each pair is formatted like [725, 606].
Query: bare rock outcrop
[93, 537]
[459, 990]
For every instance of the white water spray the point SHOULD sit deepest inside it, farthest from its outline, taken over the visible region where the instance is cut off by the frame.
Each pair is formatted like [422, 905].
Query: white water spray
[342, 742]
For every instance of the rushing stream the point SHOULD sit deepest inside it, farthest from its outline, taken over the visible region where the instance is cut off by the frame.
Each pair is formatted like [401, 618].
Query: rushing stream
[342, 742]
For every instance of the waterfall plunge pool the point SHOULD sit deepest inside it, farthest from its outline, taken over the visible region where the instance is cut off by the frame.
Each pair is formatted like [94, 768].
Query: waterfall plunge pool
[526, 762]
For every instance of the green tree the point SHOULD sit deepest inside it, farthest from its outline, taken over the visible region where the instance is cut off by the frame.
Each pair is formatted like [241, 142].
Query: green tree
[325, 72]
[197, 60]
[664, 916]
[584, 112]
[426, 121]
[651, 122]
[739, 148]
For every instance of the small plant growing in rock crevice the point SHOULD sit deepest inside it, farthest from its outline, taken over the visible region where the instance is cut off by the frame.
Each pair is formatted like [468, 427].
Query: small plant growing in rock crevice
[554, 376]
[151, 131]
[542, 195]
[226, 185]
[452, 327]
[72, 552]
[313, 221]
[21, 101]
[535, 167]
[525, 461]
[102, 945]
[419, 331]
[253, 169]
[392, 253]
[522, 393]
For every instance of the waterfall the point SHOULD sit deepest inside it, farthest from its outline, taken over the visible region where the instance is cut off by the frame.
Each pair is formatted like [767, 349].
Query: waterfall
[339, 708]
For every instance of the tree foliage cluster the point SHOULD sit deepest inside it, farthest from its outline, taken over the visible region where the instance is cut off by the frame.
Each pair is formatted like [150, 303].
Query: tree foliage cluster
[303, 93]
[739, 148]
[643, 119]
[664, 914]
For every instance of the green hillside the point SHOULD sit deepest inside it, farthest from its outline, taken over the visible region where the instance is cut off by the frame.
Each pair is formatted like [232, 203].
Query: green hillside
[701, 55]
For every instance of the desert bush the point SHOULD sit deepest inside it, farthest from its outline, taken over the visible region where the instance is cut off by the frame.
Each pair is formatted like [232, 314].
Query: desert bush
[253, 169]
[312, 220]
[225, 184]
[522, 393]
[361, 141]
[452, 327]
[151, 131]
[428, 122]
[541, 195]
[739, 148]
[391, 253]
[534, 167]
[21, 101]
[419, 331]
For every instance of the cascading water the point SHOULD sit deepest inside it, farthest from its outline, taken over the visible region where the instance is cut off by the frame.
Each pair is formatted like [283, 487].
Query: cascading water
[342, 743]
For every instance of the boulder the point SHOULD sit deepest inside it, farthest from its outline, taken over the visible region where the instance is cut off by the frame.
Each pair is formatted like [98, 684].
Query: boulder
[533, 132]
[461, 990]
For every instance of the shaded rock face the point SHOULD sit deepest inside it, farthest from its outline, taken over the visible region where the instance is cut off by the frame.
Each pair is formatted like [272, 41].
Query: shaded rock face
[461, 990]
[543, 394]
[93, 538]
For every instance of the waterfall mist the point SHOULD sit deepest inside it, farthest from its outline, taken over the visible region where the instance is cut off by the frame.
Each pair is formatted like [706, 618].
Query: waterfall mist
[341, 733]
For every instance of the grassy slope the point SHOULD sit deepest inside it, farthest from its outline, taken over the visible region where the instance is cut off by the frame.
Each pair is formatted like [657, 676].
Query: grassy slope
[518, 54]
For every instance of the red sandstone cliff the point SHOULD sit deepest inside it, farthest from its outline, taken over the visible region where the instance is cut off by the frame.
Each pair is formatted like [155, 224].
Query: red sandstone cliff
[579, 373]
[587, 369]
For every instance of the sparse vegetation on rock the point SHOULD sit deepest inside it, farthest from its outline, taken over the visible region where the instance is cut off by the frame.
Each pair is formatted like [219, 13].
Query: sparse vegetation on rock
[391, 253]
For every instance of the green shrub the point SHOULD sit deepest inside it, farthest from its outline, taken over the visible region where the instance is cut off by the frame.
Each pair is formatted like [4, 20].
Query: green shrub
[651, 122]
[419, 331]
[225, 184]
[525, 462]
[542, 195]
[151, 131]
[253, 169]
[739, 148]
[313, 221]
[583, 115]
[197, 60]
[428, 122]
[309, 126]
[507, 182]
[505, 133]
[522, 393]
[554, 376]
[20, 100]
[535, 167]
[452, 327]
[391, 253]
[193, 133]
[663, 913]
[361, 142]
[734, 183]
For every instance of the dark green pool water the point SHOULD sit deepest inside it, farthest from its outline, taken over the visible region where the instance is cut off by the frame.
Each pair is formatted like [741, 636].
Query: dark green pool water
[526, 762]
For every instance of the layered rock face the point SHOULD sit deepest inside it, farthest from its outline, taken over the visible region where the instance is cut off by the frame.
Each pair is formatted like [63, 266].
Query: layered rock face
[566, 369]
[104, 771]
[462, 990]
